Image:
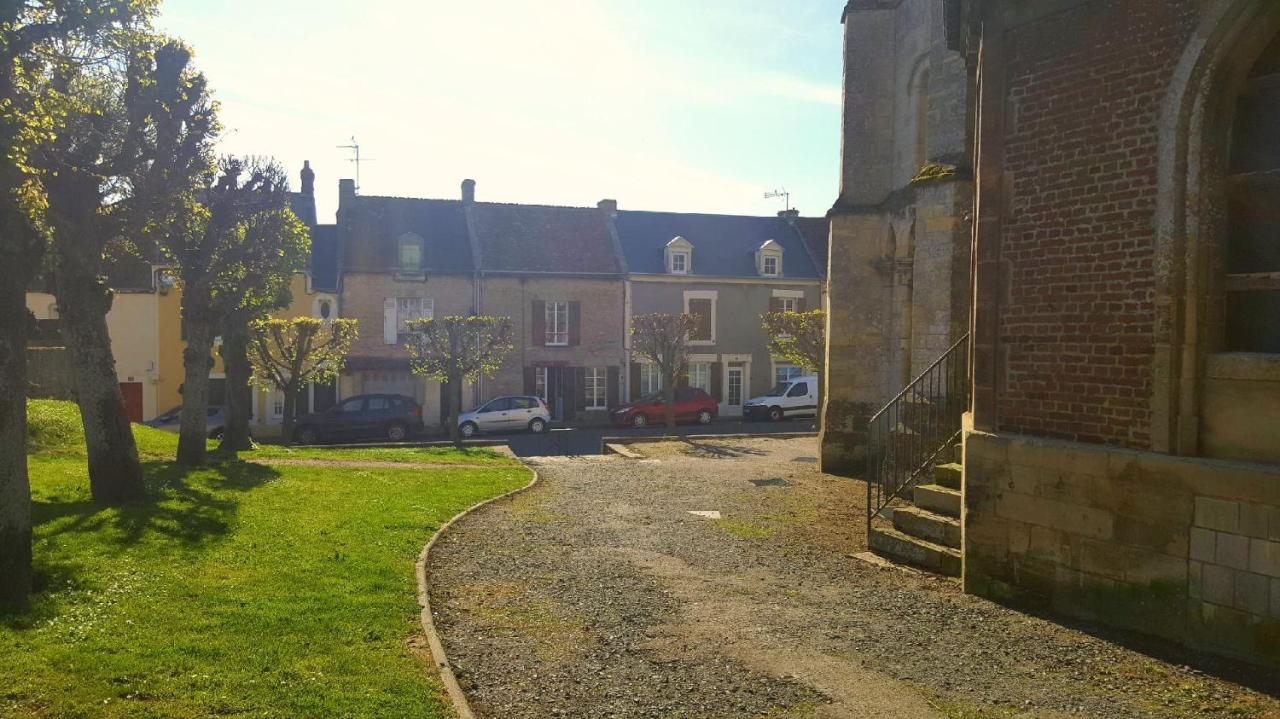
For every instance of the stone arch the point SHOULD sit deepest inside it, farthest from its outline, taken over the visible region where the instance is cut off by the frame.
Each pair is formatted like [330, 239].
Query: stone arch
[1194, 133]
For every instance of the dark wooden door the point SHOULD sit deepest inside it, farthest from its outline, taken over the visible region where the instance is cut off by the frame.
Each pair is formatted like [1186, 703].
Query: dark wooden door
[132, 392]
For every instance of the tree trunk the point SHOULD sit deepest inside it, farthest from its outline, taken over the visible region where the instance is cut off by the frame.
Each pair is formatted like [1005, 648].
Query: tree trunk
[669, 404]
[290, 408]
[115, 475]
[235, 358]
[455, 410]
[15, 491]
[193, 429]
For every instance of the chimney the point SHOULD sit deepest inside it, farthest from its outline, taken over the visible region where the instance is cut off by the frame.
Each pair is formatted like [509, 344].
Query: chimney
[609, 207]
[308, 179]
[468, 191]
[789, 215]
[346, 191]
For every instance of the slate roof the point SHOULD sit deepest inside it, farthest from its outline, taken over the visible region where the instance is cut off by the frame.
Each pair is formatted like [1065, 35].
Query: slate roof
[816, 233]
[372, 227]
[723, 245]
[540, 238]
[324, 257]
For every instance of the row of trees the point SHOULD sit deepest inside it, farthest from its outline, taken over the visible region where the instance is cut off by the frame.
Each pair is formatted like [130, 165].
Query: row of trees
[108, 136]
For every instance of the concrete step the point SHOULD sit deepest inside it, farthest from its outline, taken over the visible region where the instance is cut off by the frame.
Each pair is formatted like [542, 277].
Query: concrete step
[938, 499]
[923, 524]
[957, 453]
[948, 475]
[895, 545]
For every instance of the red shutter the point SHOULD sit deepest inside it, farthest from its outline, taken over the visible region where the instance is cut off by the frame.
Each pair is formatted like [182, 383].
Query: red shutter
[701, 311]
[575, 323]
[634, 393]
[800, 306]
[580, 379]
[539, 312]
[717, 381]
[611, 393]
[530, 380]
[775, 304]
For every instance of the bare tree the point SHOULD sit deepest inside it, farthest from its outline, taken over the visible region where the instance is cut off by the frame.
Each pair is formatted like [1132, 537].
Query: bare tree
[663, 340]
[456, 349]
[290, 354]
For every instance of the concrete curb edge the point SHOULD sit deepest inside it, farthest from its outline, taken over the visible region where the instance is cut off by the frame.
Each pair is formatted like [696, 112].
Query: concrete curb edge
[447, 676]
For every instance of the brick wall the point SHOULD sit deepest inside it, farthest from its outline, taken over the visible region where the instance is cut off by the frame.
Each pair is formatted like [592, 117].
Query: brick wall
[363, 295]
[1085, 89]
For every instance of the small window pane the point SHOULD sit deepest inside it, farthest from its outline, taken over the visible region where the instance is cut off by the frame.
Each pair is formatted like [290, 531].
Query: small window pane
[799, 390]
[352, 405]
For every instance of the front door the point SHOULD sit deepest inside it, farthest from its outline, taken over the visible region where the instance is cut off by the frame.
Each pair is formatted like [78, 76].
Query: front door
[555, 392]
[734, 390]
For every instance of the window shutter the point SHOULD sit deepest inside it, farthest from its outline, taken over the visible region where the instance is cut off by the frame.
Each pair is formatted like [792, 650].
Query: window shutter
[539, 312]
[717, 381]
[635, 381]
[575, 323]
[569, 390]
[775, 304]
[389, 320]
[611, 391]
[800, 306]
[580, 379]
[530, 380]
[701, 310]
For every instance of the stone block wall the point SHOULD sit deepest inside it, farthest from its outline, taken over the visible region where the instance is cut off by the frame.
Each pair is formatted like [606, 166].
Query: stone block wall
[1183, 548]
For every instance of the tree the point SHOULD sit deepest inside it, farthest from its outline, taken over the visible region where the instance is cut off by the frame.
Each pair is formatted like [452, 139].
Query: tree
[456, 349]
[236, 257]
[31, 115]
[117, 169]
[664, 340]
[798, 337]
[290, 354]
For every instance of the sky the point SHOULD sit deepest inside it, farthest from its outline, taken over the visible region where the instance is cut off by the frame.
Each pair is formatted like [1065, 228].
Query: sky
[681, 105]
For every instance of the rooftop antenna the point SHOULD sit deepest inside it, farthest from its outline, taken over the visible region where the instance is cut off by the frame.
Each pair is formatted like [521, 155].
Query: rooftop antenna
[355, 152]
[786, 196]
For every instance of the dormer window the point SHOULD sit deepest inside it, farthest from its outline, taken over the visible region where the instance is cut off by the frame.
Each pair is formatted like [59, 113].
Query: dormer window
[410, 253]
[769, 259]
[679, 253]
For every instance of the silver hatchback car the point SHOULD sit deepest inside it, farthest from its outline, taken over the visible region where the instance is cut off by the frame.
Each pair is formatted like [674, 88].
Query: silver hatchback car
[506, 414]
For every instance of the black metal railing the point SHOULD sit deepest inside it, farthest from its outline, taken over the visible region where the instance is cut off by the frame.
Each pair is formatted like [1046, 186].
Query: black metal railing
[907, 435]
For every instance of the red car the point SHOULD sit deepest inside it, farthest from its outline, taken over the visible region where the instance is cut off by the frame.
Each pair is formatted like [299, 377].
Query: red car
[691, 405]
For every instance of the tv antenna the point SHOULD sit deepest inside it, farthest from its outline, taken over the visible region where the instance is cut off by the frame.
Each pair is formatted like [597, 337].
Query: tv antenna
[786, 196]
[355, 157]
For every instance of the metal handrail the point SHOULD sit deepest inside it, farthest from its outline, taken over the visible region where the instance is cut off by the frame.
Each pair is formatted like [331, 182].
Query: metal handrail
[908, 434]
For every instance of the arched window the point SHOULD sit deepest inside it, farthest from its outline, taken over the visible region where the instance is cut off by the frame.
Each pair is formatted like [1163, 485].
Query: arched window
[1252, 244]
[410, 253]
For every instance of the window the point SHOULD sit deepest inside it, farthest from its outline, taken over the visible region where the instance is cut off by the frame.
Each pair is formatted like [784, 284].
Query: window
[734, 389]
[679, 263]
[410, 253]
[597, 379]
[679, 254]
[501, 404]
[352, 406]
[785, 373]
[769, 259]
[325, 309]
[702, 305]
[786, 304]
[540, 382]
[378, 404]
[799, 389]
[412, 308]
[557, 324]
[277, 405]
[650, 379]
[770, 266]
[524, 403]
[700, 376]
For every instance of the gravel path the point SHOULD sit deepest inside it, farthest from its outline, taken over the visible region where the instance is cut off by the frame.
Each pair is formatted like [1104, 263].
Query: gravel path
[600, 594]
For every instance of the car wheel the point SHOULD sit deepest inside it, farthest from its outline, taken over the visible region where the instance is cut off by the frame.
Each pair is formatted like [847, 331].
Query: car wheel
[306, 435]
[639, 420]
[537, 425]
[775, 414]
[704, 417]
[468, 429]
[397, 432]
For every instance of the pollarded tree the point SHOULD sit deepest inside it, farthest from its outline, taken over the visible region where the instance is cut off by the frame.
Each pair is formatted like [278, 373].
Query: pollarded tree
[35, 35]
[113, 173]
[798, 337]
[290, 354]
[456, 349]
[663, 340]
[236, 258]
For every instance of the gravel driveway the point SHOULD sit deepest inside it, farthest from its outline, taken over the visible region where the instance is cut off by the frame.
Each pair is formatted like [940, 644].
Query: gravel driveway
[600, 593]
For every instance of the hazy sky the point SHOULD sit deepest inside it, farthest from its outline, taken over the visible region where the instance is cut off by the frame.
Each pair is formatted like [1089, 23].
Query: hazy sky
[690, 105]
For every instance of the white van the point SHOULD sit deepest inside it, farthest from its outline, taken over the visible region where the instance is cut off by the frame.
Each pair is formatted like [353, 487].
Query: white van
[794, 398]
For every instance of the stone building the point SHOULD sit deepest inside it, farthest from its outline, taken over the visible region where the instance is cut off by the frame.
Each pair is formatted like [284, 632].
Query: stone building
[1121, 453]
[899, 250]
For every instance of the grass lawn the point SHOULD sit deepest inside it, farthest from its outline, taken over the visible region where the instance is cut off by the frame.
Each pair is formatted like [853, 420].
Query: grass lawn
[409, 455]
[238, 590]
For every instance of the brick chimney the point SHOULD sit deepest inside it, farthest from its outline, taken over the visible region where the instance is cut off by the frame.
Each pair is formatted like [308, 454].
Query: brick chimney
[468, 191]
[789, 215]
[609, 207]
[346, 191]
[308, 179]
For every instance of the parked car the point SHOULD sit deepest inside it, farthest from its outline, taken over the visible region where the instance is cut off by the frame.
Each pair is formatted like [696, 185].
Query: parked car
[215, 420]
[797, 397]
[393, 417]
[506, 414]
[691, 404]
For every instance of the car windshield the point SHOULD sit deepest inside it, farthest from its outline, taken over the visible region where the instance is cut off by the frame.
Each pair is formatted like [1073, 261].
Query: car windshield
[778, 390]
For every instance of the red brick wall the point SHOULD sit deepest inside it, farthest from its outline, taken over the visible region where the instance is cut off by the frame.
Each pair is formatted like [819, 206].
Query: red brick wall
[1084, 88]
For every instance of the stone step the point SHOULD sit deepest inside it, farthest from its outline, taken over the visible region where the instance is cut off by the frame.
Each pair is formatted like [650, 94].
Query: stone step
[938, 499]
[957, 451]
[923, 524]
[893, 544]
[948, 475]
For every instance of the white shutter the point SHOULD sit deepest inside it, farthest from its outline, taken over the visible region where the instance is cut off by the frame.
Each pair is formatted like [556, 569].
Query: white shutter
[389, 320]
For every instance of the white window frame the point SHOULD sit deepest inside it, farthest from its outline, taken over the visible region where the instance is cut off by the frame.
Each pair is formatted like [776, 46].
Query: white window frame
[700, 376]
[683, 268]
[540, 383]
[679, 247]
[596, 387]
[794, 370]
[405, 241]
[769, 250]
[650, 379]
[556, 324]
[409, 308]
[764, 265]
[703, 295]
